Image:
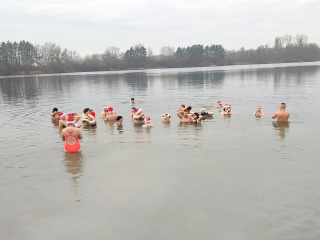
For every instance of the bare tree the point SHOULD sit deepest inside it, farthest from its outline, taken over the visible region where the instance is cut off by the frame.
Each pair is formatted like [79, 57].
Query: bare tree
[167, 51]
[149, 52]
[301, 40]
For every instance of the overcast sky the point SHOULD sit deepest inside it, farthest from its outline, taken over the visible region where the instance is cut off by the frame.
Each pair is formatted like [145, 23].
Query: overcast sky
[93, 25]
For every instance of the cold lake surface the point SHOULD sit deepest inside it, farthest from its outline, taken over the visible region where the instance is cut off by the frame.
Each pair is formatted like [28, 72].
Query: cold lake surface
[229, 178]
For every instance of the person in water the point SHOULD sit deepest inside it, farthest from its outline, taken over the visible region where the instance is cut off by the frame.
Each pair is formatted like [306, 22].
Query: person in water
[258, 112]
[104, 113]
[165, 117]
[282, 115]
[147, 123]
[132, 101]
[62, 119]
[185, 116]
[71, 135]
[227, 110]
[91, 120]
[205, 114]
[55, 114]
[119, 120]
[138, 116]
[85, 115]
[181, 109]
[195, 118]
[111, 116]
[132, 111]
[219, 105]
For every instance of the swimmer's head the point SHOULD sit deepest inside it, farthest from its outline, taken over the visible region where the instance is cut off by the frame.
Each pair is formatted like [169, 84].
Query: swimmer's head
[105, 108]
[219, 102]
[226, 106]
[93, 114]
[86, 110]
[147, 119]
[183, 106]
[70, 118]
[110, 109]
[133, 109]
[203, 110]
[55, 110]
[132, 99]
[119, 118]
[258, 108]
[138, 111]
[189, 108]
[62, 115]
[185, 113]
[283, 106]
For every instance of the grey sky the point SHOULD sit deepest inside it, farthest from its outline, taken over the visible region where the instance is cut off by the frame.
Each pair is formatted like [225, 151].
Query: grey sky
[93, 25]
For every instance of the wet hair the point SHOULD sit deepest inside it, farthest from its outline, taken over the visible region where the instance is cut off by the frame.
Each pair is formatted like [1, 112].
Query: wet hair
[197, 114]
[55, 110]
[132, 99]
[189, 108]
[119, 117]
[86, 110]
[283, 105]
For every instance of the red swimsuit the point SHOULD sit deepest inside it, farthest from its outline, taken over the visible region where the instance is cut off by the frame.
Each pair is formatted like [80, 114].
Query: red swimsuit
[72, 147]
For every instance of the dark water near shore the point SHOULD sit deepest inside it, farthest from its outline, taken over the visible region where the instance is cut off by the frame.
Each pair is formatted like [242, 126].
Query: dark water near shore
[228, 178]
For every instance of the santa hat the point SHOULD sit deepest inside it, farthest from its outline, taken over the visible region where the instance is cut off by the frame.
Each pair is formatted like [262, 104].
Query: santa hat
[138, 110]
[202, 109]
[105, 106]
[70, 118]
[227, 105]
[182, 105]
[219, 102]
[93, 114]
[110, 109]
[61, 114]
[147, 119]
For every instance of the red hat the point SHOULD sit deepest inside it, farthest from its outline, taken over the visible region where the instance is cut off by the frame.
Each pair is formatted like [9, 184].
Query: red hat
[148, 118]
[227, 105]
[110, 109]
[138, 110]
[219, 102]
[182, 105]
[105, 106]
[61, 114]
[70, 118]
[93, 114]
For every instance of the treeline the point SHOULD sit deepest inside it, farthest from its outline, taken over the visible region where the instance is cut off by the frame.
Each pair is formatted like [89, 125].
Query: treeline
[25, 57]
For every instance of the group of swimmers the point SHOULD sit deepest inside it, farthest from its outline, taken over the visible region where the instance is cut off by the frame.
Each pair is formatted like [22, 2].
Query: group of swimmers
[71, 133]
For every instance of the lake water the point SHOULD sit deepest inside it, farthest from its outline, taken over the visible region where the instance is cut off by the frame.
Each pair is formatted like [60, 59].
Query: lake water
[228, 178]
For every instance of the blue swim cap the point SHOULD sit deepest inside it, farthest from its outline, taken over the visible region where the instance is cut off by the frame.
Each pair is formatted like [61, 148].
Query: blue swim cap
[133, 108]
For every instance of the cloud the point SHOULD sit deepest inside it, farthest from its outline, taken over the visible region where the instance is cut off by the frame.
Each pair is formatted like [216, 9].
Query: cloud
[91, 26]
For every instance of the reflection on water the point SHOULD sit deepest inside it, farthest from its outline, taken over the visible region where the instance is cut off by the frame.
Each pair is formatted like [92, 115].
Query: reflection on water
[281, 128]
[92, 130]
[74, 166]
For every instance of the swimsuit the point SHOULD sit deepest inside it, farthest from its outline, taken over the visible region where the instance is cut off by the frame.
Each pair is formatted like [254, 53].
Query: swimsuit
[74, 147]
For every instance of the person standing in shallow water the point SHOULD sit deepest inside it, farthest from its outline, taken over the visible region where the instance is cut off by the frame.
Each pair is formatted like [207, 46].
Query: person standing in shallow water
[282, 115]
[227, 110]
[71, 135]
[258, 112]
[147, 123]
